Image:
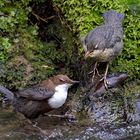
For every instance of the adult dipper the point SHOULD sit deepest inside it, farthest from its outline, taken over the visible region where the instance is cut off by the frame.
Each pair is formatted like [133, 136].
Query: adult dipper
[105, 42]
[39, 99]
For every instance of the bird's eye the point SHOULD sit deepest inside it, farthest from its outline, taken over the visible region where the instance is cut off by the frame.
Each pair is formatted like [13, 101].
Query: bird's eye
[62, 80]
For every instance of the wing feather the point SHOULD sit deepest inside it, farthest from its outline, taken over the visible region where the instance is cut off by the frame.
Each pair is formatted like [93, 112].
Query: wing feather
[36, 93]
[102, 36]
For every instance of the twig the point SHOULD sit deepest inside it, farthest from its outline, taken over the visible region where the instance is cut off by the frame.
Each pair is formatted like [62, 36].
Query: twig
[64, 23]
[38, 17]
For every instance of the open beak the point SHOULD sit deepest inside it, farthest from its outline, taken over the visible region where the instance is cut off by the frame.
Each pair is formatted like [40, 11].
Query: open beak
[87, 54]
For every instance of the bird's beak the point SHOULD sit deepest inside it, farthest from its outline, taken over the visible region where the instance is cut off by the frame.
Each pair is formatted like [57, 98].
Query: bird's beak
[87, 54]
[74, 82]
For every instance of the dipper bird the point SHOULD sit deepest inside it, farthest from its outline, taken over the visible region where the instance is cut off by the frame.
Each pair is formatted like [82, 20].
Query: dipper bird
[105, 42]
[39, 99]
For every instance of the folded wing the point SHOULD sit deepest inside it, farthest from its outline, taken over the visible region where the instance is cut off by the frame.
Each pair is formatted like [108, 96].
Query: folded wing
[36, 93]
[100, 38]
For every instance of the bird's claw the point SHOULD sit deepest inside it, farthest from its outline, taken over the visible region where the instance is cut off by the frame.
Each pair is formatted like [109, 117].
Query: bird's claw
[70, 117]
[105, 82]
[93, 76]
[94, 73]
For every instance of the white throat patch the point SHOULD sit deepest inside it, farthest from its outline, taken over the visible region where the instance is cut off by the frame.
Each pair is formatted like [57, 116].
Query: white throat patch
[60, 96]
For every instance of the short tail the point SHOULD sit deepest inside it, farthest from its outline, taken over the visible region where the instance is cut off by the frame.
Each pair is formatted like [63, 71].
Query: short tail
[7, 94]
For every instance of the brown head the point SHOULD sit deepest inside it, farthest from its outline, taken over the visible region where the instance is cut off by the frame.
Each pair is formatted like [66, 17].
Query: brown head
[62, 79]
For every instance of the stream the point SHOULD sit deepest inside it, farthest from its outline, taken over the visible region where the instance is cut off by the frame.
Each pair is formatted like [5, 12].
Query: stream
[103, 121]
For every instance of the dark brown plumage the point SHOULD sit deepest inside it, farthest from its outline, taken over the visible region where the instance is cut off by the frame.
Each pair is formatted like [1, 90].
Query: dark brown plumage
[39, 99]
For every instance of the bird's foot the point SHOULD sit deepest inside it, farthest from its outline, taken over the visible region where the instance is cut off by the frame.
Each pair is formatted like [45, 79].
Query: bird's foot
[105, 82]
[95, 70]
[91, 72]
[70, 117]
[94, 73]
[5, 102]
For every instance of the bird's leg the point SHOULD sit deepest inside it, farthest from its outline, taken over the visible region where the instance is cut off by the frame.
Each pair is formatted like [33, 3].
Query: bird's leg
[54, 115]
[97, 72]
[65, 116]
[94, 71]
[105, 75]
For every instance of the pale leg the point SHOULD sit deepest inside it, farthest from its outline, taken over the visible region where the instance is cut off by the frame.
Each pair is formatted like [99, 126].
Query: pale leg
[95, 70]
[105, 76]
[66, 116]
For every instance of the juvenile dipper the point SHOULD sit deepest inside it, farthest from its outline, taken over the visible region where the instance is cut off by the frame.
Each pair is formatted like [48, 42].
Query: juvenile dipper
[39, 99]
[104, 43]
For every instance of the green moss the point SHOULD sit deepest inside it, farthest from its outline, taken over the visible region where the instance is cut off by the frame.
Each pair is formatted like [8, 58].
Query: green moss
[37, 41]
[25, 57]
[132, 89]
